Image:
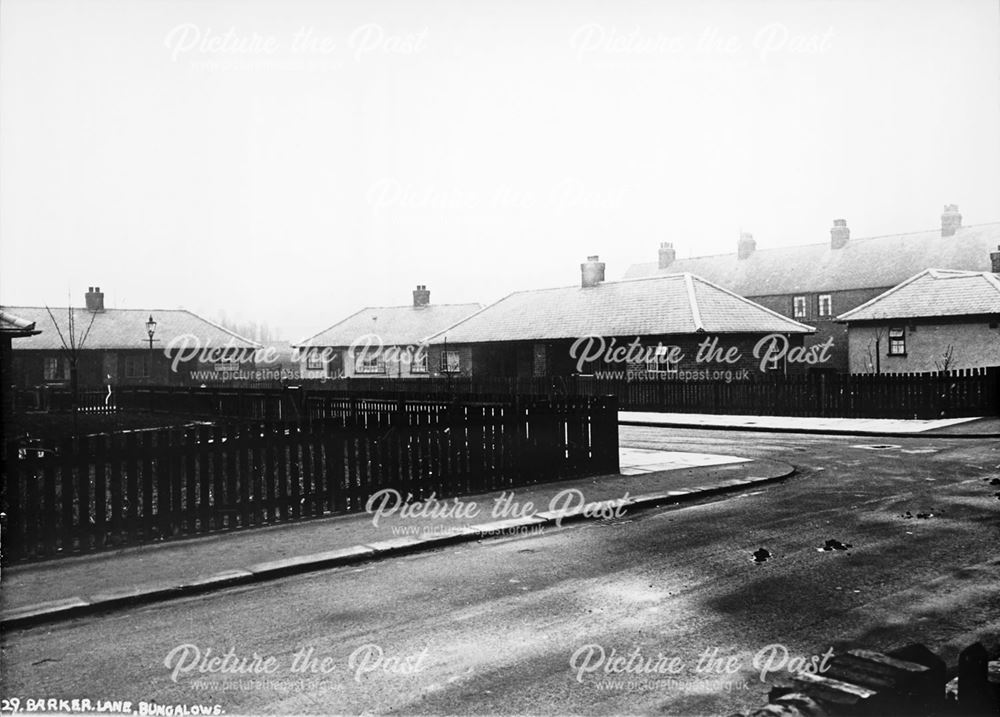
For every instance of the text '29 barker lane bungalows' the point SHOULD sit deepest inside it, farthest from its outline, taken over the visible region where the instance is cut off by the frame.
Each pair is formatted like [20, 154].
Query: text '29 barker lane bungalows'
[380, 341]
[661, 327]
[124, 347]
[814, 283]
[938, 320]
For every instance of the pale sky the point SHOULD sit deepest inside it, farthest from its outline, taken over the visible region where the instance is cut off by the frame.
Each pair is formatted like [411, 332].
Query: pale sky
[291, 162]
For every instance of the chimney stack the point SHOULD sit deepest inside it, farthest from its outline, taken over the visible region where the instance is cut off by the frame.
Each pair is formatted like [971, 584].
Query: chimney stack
[667, 254]
[995, 259]
[839, 234]
[951, 220]
[421, 296]
[591, 272]
[746, 245]
[95, 299]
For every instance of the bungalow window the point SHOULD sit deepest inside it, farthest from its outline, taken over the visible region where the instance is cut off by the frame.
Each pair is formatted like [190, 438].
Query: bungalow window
[825, 305]
[897, 342]
[137, 366]
[56, 369]
[314, 361]
[659, 364]
[799, 307]
[450, 362]
[369, 363]
[418, 360]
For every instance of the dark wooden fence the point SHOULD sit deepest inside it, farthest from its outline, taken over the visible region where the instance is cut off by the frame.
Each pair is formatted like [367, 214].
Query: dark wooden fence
[102, 491]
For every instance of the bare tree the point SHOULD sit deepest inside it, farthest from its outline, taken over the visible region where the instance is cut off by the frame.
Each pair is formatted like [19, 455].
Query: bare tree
[72, 344]
[947, 359]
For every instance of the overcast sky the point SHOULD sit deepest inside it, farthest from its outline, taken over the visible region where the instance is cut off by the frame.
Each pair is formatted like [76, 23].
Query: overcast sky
[292, 161]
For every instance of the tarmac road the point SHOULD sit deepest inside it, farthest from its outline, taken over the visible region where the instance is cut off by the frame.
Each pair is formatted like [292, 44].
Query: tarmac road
[493, 627]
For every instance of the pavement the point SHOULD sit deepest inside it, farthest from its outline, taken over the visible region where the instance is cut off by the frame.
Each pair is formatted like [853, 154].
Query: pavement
[62, 588]
[975, 427]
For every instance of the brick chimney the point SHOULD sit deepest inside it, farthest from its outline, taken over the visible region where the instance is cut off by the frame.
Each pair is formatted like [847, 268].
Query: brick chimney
[839, 234]
[591, 272]
[995, 259]
[746, 246]
[951, 220]
[95, 299]
[421, 296]
[667, 254]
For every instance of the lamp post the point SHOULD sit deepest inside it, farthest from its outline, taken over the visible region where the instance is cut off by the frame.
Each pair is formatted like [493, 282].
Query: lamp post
[150, 329]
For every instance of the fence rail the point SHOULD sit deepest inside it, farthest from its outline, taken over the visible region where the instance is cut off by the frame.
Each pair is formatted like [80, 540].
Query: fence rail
[108, 490]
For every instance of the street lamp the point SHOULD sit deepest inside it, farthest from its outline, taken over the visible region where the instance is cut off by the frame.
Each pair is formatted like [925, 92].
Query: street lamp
[150, 329]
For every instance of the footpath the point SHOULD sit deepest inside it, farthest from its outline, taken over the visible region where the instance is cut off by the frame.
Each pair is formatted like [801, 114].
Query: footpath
[62, 588]
[890, 427]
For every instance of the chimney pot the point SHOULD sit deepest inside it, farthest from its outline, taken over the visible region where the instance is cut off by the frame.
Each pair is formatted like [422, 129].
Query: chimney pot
[94, 299]
[951, 220]
[746, 246]
[421, 297]
[667, 254]
[839, 234]
[591, 272]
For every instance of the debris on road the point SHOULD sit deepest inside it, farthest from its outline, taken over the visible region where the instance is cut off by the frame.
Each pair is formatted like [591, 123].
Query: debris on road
[833, 544]
[761, 555]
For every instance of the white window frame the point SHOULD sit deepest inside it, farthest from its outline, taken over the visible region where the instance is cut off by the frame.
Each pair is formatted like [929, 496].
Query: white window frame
[659, 364]
[315, 362]
[897, 338]
[799, 307]
[418, 361]
[828, 298]
[366, 366]
[56, 363]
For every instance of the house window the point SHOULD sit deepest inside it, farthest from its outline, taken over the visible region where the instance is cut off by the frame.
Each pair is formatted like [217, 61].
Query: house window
[897, 342]
[418, 361]
[56, 369]
[799, 307]
[825, 305]
[659, 364]
[314, 361]
[450, 362]
[368, 362]
[137, 366]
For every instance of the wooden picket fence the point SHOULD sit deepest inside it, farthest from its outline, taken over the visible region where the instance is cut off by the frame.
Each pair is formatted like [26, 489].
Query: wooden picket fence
[108, 490]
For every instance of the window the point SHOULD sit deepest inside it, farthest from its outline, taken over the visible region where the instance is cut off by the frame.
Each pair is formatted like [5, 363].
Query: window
[56, 369]
[659, 364]
[314, 361]
[897, 342]
[368, 362]
[137, 366]
[774, 365]
[450, 362]
[825, 305]
[418, 360]
[799, 307]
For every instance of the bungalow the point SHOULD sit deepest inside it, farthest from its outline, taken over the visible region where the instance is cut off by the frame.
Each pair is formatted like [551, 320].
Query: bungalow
[937, 320]
[678, 325]
[11, 327]
[815, 282]
[123, 346]
[380, 342]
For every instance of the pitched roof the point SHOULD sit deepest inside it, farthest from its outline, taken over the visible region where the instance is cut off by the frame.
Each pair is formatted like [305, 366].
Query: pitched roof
[934, 292]
[675, 304]
[394, 325]
[124, 328]
[12, 325]
[863, 263]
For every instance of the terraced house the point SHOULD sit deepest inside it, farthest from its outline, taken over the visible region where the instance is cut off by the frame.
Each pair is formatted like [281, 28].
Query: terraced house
[816, 282]
[658, 327]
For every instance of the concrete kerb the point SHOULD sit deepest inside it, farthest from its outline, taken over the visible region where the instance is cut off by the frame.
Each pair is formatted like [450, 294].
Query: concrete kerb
[261, 572]
[810, 431]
